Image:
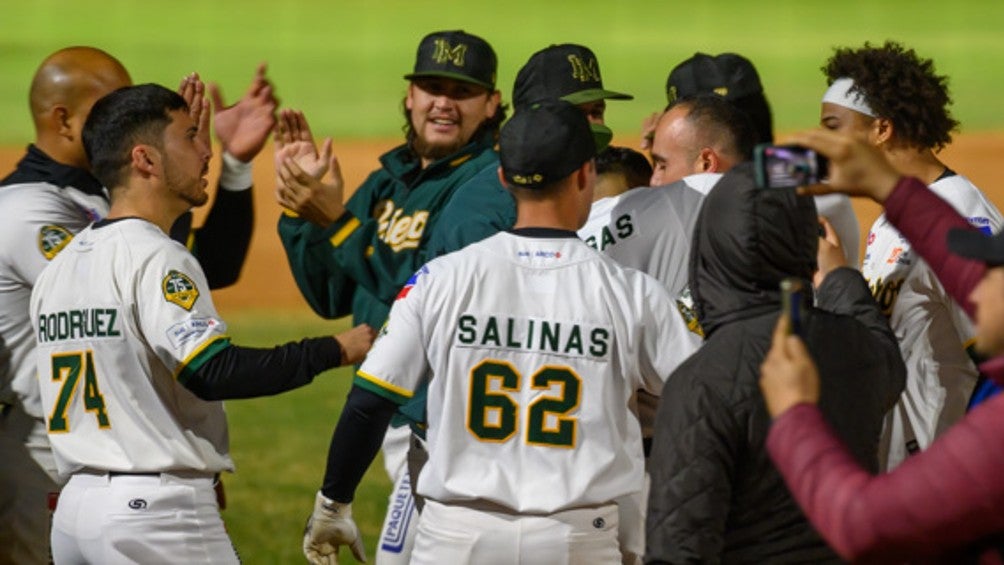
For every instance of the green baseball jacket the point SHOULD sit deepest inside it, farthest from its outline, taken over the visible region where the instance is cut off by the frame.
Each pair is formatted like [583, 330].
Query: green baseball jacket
[480, 208]
[359, 263]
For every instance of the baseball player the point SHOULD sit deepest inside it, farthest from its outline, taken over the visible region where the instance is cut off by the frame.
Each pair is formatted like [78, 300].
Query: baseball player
[619, 169]
[43, 203]
[734, 78]
[355, 257]
[133, 358]
[540, 372]
[891, 98]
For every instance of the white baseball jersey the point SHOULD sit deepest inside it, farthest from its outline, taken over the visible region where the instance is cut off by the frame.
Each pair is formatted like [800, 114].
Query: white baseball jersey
[37, 220]
[535, 346]
[649, 228]
[931, 328]
[122, 315]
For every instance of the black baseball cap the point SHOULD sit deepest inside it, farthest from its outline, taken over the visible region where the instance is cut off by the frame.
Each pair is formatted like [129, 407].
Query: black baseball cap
[729, 75]
[457, 55]
[565, 71]
[979, 245]
[545, 142]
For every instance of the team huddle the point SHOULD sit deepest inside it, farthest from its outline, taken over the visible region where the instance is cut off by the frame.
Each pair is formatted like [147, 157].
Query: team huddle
[569, 352]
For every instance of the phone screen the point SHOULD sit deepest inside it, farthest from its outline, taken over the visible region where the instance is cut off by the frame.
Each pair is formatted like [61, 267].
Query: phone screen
[788, 166]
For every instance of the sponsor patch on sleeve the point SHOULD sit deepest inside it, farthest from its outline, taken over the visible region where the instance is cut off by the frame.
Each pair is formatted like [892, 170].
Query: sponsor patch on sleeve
[180, 289]
[411, 282]
[194, 329]
[52, 239]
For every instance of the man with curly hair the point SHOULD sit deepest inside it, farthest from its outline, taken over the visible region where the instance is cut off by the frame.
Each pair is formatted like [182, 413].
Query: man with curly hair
[891, 98]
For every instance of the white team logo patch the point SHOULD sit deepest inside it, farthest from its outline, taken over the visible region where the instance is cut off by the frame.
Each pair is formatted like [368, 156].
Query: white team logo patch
[195, 328]
[180, 289]
[52, 239]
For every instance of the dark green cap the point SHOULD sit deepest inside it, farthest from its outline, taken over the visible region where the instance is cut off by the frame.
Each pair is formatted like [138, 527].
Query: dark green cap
[565, 71]
[456, 55]
[545, 142]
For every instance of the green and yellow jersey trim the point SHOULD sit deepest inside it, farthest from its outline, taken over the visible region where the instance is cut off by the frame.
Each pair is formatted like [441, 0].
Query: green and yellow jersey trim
[198, 358]
[382, 388]
[345, 231]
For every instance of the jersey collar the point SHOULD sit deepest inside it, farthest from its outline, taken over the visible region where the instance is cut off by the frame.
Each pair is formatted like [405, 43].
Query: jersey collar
[36, 166]
[543, 233]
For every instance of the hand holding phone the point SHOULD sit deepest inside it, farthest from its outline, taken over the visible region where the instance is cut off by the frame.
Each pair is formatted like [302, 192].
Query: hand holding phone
[788, 166]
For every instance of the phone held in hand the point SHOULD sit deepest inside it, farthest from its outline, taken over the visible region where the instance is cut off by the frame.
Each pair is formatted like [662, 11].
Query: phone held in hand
[788, 166]
[793, 303]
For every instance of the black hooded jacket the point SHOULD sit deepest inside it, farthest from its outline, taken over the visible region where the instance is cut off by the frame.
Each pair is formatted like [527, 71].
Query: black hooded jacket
[715, 495]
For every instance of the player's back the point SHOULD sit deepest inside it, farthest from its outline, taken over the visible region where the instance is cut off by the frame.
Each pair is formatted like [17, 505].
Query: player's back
[536, 345]
[649, 228]
[108, 359]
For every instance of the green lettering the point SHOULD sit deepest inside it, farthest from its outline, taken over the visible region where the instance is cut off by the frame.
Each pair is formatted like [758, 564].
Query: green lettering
[608, 239]
[598, 342]
[467, 326]
[75, 323]
[41, 328]
[491, 332]
[509, 330]
[624, 226]
[112, 330]
[549, 336]
[591, 241]
[574, 340]
[62, 325]
[529, 335]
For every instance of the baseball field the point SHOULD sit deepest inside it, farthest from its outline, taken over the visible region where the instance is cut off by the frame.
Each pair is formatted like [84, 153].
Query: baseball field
[342, 62]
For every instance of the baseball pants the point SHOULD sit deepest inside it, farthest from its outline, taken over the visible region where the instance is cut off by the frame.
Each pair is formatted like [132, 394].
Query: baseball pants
[463, 534]
[131, 518]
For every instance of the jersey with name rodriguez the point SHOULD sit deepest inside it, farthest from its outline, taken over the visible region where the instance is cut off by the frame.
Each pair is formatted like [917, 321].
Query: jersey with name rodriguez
[535, 346]
[122, 317]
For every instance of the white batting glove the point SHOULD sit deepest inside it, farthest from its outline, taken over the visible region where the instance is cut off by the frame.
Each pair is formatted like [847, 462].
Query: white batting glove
[330, 527]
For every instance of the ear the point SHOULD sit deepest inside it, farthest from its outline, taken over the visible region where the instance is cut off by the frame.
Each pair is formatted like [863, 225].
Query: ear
[708, 161]
[583, 175]
[492, 104]
[501, 177]
[882, 131]
[146, 160]
[409, 98]
[60, 118]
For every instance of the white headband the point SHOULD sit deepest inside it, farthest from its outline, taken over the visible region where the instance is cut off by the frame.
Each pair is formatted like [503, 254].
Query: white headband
[840, 94]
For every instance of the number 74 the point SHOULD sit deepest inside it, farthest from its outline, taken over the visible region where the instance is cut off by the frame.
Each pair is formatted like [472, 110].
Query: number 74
[66, 367]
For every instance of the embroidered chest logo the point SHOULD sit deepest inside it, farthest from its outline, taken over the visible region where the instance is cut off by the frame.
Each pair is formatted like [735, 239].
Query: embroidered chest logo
[885, 293]
[180, 289]
[52, 239]
[444, 52]
[585, 71]
[400, 231]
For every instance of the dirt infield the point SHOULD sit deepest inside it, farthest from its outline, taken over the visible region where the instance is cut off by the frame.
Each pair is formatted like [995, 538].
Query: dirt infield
[267, 283]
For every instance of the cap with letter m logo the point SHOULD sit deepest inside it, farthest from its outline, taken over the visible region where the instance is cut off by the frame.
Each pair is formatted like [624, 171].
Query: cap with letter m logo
[456, 55]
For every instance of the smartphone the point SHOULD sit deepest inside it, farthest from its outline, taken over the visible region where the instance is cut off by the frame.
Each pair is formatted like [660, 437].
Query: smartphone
[793, 303]
[787, 166]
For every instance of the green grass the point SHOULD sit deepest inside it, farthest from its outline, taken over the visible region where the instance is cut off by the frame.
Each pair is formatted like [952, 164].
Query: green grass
[280, 444]
[342, 62]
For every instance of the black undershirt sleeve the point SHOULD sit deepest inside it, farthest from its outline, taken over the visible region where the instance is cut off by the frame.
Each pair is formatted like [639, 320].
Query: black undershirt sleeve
[355, 442]
[246, 372]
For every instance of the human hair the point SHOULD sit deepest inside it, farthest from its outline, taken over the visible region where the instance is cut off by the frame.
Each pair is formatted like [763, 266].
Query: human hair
[120, 120]
[719, 123]
[625, 161]
[492, 124]
[901, 87]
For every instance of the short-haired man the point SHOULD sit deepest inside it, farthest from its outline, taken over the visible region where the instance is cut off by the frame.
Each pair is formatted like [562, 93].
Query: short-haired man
[619, 169]
[890, 97]
[133, 361]
[734, 78]
[51, 196]
[542, 383]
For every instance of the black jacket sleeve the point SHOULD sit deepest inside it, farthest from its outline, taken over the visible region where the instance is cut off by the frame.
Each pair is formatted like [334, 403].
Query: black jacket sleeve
[244, 372]
[355, 442]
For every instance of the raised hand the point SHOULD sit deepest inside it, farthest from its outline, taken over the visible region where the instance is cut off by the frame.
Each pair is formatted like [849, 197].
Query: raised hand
[788, 376]
[294, 140]
[356, 343]
[856, 168]
[830, 255]
[244, 127]
[193, 90]
[313, 200]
